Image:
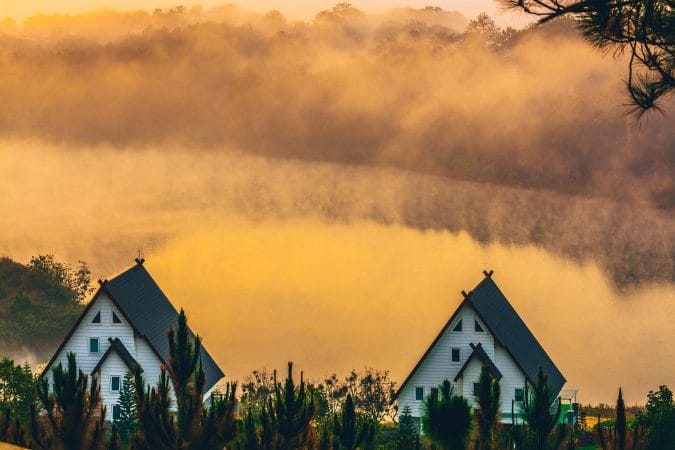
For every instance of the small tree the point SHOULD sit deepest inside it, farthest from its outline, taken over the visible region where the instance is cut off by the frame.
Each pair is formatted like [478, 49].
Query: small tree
[447, 420]
[287, 417]
[127, 423]
[408, 435]
[75, 418]
[537, 410]
[488, 408]
[349, 430]
[620, 424]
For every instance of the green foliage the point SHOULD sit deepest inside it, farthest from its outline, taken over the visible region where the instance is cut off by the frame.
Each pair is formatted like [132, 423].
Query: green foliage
[75, 418]
[193, 426]
[350, 431]
[537, 411]
[287, 416]
[408, 436]
[447, 421]
[642, 27]
[77, 281]
[127, 424]
[620, 426]
[21, 304]
[256, 389]
[487, 409]
[17, 389]
[251, 440]
[659, 420]
[37, 311]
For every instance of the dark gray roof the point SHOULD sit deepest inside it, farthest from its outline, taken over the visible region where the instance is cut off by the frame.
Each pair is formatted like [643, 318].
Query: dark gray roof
[152, 315]
[118, 347]
[479, 352]
[509, 329]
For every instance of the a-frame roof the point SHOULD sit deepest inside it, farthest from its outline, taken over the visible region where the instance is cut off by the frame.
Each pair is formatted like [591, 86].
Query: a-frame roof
[479, 352]
[508, 329]
[118, 347]
[150, 314]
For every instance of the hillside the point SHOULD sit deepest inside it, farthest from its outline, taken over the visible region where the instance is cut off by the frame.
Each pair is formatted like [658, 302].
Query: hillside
[36, 309]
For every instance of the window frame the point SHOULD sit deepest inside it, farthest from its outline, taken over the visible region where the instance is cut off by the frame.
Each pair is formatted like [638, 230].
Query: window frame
[435, 390]
[112, 318]
[100, 318]
[98, 344]
[477, 325]
[476, 389]
[522, 394]
[119, 383]
[116, 408]
[415, 394]
[459, 355]
[458, 324]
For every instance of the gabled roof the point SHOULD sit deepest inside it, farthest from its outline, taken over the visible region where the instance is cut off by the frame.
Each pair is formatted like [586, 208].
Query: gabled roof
[479, 352]
[508, 329]
[118, 347]
[150, 314]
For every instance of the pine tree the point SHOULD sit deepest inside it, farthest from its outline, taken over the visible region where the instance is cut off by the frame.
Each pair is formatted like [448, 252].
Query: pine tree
[620, 425]
[408, 436]
[251, 441]
[488, 408]
[193, 426]
[536, 410]
[447, 421]
[287, 417]
[350, 431]
[75, 418]
[115, 442]
[127, 423]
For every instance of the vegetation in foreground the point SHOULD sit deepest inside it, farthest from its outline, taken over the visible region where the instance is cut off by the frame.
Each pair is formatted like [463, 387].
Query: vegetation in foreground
[349, 414]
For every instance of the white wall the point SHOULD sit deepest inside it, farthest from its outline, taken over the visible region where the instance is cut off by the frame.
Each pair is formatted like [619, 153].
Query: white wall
[438, 365]
[512, 378]
[86, 361]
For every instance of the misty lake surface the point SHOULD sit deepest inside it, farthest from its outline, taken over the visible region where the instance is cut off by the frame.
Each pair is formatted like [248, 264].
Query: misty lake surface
[272, 265]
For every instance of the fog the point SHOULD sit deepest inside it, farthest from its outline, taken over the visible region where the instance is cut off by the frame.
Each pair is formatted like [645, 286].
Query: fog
[321, 191]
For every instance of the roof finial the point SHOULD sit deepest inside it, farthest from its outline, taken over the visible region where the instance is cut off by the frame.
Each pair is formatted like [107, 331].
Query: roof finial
[466, 294]
[102, 282]
[489, 273]
[139, 261]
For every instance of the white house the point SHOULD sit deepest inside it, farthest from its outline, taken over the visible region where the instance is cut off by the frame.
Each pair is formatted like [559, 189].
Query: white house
[125, 325]
[485, 330]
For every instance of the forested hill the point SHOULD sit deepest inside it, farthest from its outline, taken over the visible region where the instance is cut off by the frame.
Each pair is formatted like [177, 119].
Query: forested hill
[39, 302]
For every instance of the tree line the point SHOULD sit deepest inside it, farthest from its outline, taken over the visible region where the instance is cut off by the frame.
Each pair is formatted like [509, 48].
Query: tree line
[357, 412]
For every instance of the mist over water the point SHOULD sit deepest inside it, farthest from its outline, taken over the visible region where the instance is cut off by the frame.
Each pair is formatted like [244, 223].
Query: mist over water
[321, 191]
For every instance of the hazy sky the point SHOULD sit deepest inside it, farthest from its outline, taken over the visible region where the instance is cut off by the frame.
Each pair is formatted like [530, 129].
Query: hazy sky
[293, 9]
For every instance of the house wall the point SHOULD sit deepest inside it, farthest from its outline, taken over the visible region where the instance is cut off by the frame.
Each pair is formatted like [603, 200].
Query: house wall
[438, 365]
[79, 341]
[86, 361]
[512, 378]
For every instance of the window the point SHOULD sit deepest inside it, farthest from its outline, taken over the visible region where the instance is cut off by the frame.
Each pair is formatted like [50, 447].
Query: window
[434, 393]
[476, 389]
[115, 318]
[520, 394]
[455, 354]
[93, 345]
[115, 383]
[97, 318]
[458, 327]
[419, 393]
[116, 412]
[477, 326]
